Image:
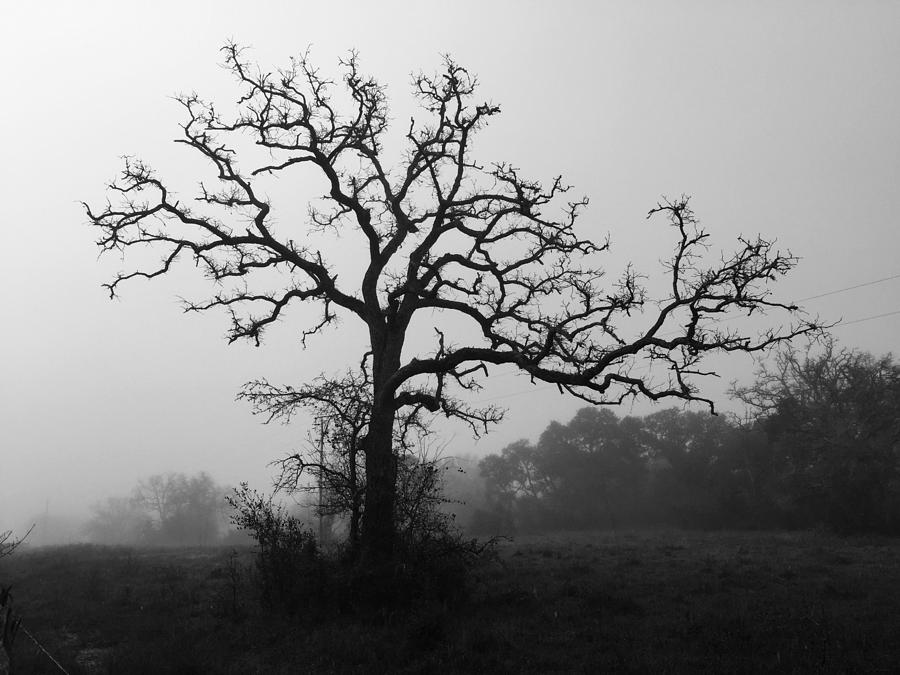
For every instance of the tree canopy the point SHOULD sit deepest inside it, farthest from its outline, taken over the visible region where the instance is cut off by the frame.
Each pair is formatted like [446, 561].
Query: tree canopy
[446, 235]
[833, 418]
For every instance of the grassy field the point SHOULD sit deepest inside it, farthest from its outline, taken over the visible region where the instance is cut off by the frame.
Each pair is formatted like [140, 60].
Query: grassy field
[576, 602]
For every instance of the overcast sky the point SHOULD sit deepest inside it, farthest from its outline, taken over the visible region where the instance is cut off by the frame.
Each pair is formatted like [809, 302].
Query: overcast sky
[778, 117]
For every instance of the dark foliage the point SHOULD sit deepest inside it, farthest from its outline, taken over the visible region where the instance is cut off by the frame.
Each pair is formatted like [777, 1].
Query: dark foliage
[289, 566]
[431, 556]
[432, 564]
[833, 422]
[822, 450]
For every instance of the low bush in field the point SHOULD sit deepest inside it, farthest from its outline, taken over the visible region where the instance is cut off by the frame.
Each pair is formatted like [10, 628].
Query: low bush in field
[290, 568]
[432, 564]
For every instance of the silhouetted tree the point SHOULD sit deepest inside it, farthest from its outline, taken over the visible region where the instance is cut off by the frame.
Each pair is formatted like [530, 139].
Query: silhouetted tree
[686, 449]
[671, 467]
[595, 466]
[342, 408]
[515, 486]
[445, 235]
[333, 458]
[834, 421]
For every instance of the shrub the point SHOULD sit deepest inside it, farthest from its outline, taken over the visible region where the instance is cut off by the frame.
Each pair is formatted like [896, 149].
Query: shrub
[432, 564]
[291, 570]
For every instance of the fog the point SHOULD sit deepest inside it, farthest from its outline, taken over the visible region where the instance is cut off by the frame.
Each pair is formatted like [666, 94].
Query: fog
[777, 119]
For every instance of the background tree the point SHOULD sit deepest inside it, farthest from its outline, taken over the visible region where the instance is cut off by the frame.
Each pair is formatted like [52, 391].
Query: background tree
[674, 467]
[833, 419]
[170, 509]
[119, 520]
[821, 448]
[159, 496]
[185, 510]
[690, 453]
[446, 235]
[515, 486]
[595, 466]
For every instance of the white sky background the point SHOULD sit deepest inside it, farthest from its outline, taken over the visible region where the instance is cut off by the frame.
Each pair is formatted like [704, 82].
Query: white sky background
[780, 118]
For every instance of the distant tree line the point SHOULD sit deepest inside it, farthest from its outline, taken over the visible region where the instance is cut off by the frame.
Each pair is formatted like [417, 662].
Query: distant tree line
[820, 448]
[170, 509]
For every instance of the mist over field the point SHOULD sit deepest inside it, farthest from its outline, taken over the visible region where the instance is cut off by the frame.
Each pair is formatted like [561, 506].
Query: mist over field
[355, 312]
[778, 121]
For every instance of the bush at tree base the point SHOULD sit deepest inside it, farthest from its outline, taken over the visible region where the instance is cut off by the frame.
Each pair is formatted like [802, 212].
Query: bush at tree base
[432, 564]
[288, 560]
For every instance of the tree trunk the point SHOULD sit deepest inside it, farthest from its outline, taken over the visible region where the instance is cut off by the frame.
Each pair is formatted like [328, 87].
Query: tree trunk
[355, 501]
[378, 531]
[378, 527]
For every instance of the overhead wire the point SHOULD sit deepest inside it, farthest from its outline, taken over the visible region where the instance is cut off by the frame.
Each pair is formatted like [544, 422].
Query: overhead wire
[850, 288]
[867, 318]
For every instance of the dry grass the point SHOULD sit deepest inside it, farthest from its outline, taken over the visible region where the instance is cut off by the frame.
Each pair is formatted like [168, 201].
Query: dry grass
[581, 602]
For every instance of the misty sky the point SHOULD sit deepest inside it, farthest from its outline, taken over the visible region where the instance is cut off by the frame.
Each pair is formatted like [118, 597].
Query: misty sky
[779, 118]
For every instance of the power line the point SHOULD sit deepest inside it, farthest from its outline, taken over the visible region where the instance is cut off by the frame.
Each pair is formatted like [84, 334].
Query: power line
[867, 318]
[850, 288]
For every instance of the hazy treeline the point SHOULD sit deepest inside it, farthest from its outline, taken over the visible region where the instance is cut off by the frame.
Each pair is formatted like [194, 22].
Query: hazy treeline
[170, 509]
[822, 449]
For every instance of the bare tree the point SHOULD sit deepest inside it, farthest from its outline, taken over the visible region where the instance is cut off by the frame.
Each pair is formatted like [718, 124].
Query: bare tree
[159, 495]
[446, 236]
[9, 543]
[343, 406]
[832, 416]
[183, 509]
